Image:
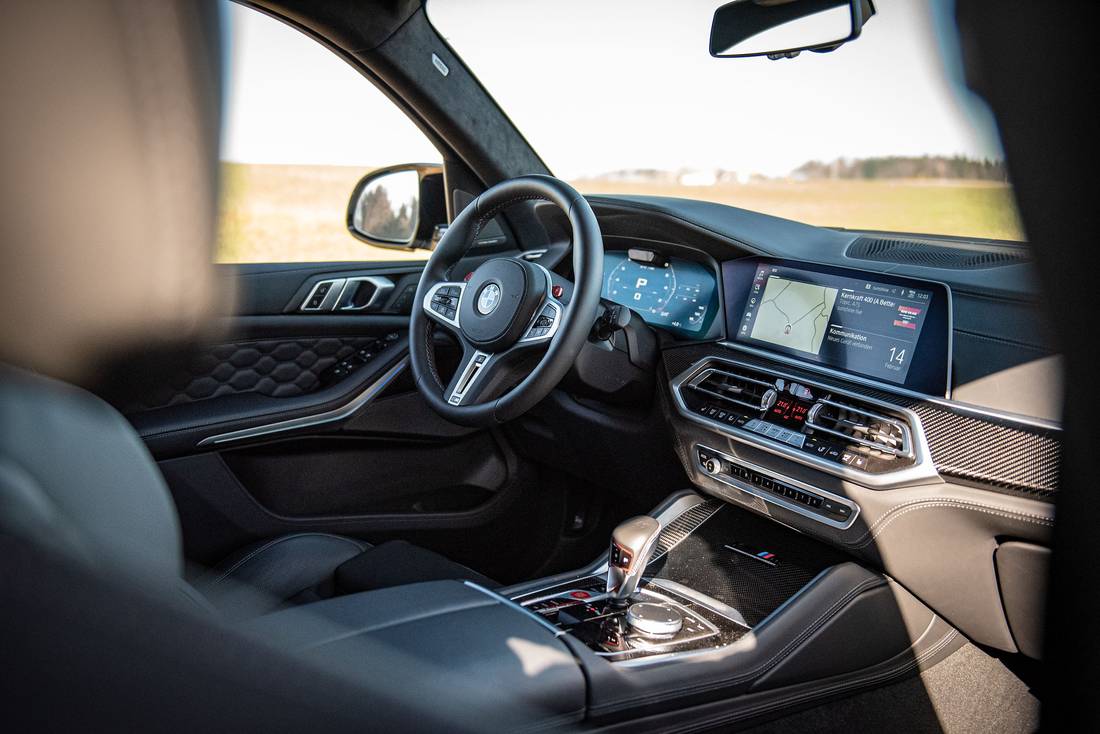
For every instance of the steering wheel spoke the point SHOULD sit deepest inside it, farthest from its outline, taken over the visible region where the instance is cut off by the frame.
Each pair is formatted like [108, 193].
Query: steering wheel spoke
[473, 377]
[441, 304]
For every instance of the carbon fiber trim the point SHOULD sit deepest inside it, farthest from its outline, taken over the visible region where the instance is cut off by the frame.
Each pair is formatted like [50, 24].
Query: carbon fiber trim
[684, 525]
[993, 454]
[721, 559]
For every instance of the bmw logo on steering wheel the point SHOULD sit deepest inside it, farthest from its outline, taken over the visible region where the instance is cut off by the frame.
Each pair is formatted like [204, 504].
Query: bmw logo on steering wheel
[489, 299]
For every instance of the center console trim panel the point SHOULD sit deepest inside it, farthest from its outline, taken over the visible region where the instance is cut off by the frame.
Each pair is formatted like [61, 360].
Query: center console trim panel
[771, 497]
[922, 471]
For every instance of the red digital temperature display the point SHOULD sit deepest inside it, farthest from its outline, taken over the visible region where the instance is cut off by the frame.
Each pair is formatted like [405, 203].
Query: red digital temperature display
[789, 411]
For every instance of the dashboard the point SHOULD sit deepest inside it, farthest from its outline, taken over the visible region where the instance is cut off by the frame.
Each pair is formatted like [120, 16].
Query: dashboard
[890, 396]
[871, 326]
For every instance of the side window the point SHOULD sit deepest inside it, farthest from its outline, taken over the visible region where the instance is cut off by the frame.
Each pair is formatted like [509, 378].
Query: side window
[301, 128]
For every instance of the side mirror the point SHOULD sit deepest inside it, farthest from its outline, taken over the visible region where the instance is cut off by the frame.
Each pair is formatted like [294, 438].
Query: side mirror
[398, 207]
[781, 29]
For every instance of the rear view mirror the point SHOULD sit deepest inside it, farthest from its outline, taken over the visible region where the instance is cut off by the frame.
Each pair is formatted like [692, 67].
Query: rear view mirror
[783, 28]
[398, 207]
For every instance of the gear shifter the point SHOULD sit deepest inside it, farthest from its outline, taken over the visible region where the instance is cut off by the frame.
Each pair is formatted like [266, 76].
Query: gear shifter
[631, 546]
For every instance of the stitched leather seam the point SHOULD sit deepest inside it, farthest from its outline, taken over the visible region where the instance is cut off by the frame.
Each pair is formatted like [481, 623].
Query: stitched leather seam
[334, 402]
[273, 543]
[950, 500]
[483, 218]
[933, 505]
[429, 351]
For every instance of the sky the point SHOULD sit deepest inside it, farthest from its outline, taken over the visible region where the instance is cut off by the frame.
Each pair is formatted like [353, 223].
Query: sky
[631, 85]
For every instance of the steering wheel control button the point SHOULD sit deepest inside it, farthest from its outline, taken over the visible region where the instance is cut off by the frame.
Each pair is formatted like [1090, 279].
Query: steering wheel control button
[544, 323]
[657, 620]
[443, 300]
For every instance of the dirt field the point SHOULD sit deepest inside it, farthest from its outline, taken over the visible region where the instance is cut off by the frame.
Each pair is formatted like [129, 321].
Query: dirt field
[296, 213]
[292, 214]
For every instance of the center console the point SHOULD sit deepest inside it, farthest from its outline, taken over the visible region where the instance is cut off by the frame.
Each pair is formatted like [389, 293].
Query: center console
[707, 578]
[703, 602]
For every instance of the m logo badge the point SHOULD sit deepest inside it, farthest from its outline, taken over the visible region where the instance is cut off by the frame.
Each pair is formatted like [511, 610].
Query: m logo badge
[489, 299]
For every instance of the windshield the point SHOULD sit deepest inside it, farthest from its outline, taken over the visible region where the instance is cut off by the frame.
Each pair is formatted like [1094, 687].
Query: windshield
[623, 97]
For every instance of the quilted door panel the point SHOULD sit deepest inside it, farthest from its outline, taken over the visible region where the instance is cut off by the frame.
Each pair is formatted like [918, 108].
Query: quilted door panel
[271, 367]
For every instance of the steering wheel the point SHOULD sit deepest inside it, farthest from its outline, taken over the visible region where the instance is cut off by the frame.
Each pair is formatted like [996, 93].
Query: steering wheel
[505, 315]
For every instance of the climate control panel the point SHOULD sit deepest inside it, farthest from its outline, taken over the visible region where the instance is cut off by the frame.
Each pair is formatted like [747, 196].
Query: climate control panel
[796, 496]
[840, 432]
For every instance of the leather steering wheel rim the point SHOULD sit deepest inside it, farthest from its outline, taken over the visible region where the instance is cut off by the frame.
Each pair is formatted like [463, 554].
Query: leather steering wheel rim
[574, 319]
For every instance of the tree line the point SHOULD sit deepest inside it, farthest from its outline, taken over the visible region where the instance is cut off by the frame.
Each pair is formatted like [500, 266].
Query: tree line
[927, 166]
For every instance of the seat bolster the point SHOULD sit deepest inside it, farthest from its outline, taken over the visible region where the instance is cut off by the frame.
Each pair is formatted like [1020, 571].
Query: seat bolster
[263, 576]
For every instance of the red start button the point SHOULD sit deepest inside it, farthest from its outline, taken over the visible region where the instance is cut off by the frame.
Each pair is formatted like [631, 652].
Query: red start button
[468, 276]
[556, 291]
[579, 594]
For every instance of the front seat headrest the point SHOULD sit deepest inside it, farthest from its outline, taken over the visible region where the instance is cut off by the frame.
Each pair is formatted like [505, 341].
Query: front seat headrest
[108, 155]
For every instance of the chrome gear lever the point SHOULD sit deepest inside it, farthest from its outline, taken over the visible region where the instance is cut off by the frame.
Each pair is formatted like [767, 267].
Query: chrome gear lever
[631, 546]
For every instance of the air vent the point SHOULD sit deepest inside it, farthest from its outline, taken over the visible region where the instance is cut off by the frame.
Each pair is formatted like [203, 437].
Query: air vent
[929, 255]
[744, 388]
[862, 427]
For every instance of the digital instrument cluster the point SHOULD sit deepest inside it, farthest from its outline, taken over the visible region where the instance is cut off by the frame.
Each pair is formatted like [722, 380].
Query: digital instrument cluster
[675, 294]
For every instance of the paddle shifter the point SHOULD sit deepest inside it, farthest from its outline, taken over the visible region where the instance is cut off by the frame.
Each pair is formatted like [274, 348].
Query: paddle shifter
[631, 546]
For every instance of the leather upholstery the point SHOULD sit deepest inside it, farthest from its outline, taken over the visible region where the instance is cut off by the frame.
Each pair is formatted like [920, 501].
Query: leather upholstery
[75, 477]
[397, 563]
[470, 655]
[302, 568]
[273, 367]
[264, 576]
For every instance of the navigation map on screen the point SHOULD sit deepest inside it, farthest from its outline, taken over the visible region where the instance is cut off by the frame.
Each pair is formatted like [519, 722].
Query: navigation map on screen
[793, 314]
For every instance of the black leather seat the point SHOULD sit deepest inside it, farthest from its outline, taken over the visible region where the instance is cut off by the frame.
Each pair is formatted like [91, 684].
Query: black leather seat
[75, 476]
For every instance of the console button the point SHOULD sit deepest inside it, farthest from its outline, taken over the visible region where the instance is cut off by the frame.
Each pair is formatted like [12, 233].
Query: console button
[796, 439]
[835, 508]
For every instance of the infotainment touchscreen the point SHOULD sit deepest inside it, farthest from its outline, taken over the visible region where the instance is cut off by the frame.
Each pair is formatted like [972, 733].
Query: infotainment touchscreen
[871, 324]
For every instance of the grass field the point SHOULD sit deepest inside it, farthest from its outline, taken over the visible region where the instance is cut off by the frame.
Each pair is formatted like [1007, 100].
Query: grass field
[967, 208]
[283, 213]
